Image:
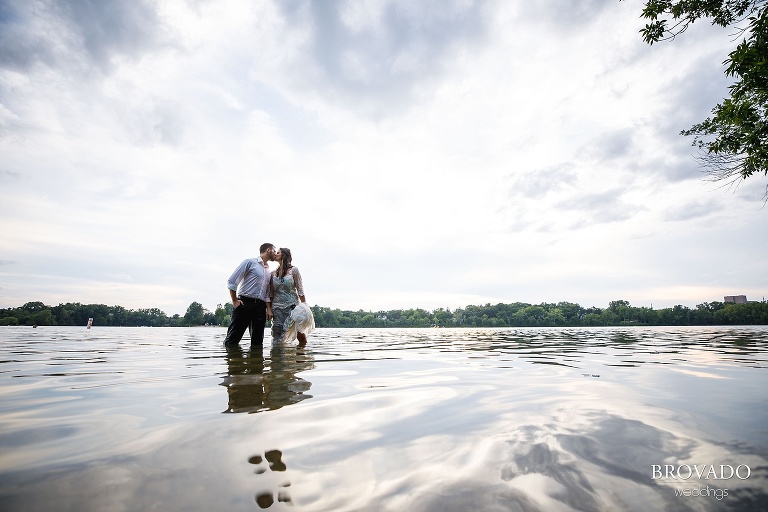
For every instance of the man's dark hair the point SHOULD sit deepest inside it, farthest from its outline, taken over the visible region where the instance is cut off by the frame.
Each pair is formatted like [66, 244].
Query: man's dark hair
[264, 248]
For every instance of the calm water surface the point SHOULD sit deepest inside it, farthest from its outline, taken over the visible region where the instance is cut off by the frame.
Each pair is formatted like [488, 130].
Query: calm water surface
[142, 419]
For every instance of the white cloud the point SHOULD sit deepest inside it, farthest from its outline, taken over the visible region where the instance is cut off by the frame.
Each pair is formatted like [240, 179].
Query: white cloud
[410, 155]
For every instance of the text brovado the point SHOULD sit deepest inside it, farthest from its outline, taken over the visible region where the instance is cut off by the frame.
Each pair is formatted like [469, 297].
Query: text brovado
[703, 472]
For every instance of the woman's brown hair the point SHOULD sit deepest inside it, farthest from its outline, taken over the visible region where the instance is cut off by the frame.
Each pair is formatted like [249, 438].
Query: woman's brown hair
[285, 262]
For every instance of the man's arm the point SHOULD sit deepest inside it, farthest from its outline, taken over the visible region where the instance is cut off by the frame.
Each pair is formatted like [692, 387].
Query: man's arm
[269, 295]
[234, 280]
[235, 301]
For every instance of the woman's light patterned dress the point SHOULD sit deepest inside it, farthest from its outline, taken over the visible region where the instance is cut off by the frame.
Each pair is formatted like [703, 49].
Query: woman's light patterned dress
[285, 294]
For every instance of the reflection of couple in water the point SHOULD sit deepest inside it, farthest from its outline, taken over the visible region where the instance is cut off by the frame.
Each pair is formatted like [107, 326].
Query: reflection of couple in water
[258, 295]
[255, 383]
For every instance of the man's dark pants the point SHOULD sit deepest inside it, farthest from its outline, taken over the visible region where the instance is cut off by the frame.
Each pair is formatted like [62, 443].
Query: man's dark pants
[251, 315]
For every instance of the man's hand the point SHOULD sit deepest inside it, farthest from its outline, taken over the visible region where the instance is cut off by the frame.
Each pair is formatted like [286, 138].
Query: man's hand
[236, 303]
[269, 313]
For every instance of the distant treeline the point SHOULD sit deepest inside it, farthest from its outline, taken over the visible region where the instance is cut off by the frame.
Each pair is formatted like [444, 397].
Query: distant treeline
[518, 314]
[37, 313]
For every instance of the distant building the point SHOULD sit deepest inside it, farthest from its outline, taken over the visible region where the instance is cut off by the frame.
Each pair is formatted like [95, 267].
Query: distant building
[735, 299]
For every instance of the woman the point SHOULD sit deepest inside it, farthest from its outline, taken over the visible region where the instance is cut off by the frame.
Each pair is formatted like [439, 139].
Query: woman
[291, 317]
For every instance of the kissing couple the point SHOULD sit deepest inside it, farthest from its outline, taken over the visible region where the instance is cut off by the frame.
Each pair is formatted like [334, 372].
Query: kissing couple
[259, 295]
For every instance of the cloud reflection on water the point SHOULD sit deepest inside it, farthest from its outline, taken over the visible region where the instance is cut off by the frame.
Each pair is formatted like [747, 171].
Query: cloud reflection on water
[425, 420]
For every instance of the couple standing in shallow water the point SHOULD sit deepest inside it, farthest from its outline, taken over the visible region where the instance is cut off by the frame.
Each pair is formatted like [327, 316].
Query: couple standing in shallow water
[258, 295]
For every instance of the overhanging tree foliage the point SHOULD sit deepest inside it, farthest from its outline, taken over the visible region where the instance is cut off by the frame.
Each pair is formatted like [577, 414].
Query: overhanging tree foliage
[733, 142]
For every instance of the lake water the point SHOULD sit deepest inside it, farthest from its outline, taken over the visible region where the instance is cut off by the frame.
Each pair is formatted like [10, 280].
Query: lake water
[583, 419]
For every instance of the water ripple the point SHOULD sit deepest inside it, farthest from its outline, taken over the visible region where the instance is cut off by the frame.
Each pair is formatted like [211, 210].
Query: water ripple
[402, 419]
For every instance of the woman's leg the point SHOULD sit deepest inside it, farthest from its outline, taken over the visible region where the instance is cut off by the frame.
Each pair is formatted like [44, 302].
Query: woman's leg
[278, 319]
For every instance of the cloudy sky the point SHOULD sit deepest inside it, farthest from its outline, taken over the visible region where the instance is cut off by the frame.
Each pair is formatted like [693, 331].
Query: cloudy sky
[411, 154]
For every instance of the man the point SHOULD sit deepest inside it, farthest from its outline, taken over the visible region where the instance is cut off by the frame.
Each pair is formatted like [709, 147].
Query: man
[250, 308]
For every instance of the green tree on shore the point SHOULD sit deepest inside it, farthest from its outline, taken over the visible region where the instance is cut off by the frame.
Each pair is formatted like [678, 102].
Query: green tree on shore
[195, 314]
[516, 314]
[221, 316]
